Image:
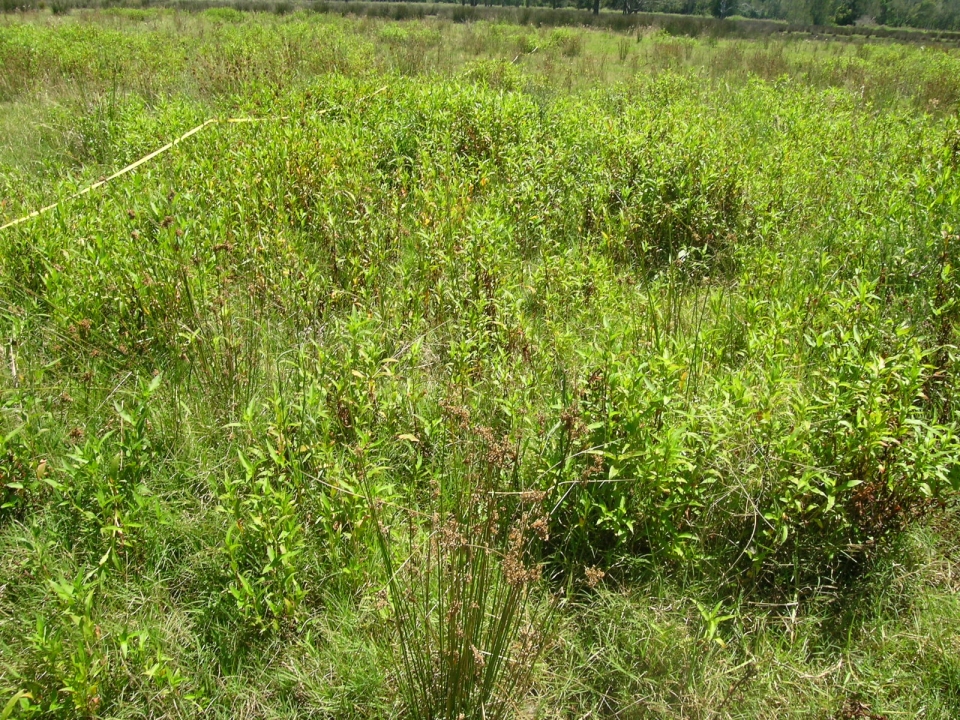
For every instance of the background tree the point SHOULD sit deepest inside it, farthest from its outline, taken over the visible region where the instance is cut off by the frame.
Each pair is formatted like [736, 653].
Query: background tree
[819, 11]
[722, 8]
[846, 13]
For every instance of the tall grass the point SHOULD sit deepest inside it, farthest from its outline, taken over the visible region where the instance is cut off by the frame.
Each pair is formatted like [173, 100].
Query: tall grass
[469, 630]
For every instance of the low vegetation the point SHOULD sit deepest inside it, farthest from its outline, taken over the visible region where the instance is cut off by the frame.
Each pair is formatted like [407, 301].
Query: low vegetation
[482, 371]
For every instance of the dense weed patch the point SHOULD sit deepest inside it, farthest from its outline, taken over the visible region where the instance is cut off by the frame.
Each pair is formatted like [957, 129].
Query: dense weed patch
[475, 378]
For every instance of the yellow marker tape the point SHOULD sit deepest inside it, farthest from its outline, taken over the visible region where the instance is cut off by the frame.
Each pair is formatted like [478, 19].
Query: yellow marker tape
[127, 169]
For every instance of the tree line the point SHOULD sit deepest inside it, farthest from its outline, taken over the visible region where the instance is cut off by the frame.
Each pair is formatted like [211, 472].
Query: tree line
[926, 14]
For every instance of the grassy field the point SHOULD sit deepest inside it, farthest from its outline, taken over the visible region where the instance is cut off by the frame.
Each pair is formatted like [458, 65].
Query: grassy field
[483, 371]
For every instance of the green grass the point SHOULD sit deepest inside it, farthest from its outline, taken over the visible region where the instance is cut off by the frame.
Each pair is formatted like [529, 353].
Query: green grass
[495, 370]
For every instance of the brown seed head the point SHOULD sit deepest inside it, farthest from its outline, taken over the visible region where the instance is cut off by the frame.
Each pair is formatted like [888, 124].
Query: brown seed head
[594, 575]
